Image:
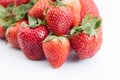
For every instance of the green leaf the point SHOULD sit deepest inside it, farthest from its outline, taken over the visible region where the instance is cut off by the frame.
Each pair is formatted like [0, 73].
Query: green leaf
[24, 24]
[28, 6]
[89, 25]
[84, 21]
[60, 38]
[98, 24]
[44, 22]
[76, 30]
[93, 21]
[39, 21]
[10, 8]
[86, 26]
[2, 15]
[33, 1]
[50, 37]
[7, 31]
[22, 10]
[59, 3]
[32, 21]
[88, 29]
[7, 22]
[72, 31]
[3, 11]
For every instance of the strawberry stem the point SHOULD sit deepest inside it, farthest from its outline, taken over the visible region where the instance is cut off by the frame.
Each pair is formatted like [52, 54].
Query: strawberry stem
[34, 22]
[59, 3]
[88, 26]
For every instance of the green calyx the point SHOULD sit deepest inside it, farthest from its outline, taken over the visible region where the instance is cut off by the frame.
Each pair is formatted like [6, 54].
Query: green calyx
[57, 3]
[33, 22]
[7, 31]
[21, 11]
[6, 16]
[88, 26]
[51, 37]
[6, 12]
[12, 14]
[33, 1]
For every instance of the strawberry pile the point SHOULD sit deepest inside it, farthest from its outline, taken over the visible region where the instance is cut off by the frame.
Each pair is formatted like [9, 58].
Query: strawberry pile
[50, 28]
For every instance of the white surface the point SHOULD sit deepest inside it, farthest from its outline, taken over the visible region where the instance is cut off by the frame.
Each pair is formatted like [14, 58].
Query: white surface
[105, 65]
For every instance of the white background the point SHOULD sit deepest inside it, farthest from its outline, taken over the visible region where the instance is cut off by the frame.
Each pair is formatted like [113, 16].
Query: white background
[105, 65]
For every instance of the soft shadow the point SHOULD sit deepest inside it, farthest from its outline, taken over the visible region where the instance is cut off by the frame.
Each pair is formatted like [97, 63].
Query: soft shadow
[13, 48]
[2, 39]
[73, 57]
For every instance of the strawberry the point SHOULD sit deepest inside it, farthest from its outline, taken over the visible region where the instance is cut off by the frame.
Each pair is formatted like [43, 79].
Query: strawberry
[2, 31]
[76, 8]
[30, 39]
[88, 7]
[86, 39]
[19, 2]
[5, 3]
[56, 50]
[38, 9]
[59, 19]
[12, 33]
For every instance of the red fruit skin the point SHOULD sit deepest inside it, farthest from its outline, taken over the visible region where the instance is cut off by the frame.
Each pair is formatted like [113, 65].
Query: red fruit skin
[86, 46]
[76, 9]
[56, 51]
[38, 9]
[59, 20]
[2, 32]
[5, 3]
[88, 7]
[19, 2]
[13, 32]
[30, 41]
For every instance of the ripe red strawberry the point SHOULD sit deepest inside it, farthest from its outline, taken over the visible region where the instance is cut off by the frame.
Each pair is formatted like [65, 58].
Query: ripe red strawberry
[88, 7]
[30, 39]
[5, 3]
[19, 2]
[12, 33]
[86, 40]
[56, 50]
[2, 31]
[38, 9]
[76, 8]
[59, 19]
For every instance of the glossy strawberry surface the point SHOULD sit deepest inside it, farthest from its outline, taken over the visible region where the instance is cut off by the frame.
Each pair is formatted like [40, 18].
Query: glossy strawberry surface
[88, 7]
[59, 20]
[30, 41]
[56, 51]
[76, 9]
[38, 9]
[13, 32]
[2, 31]
[85, 45]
